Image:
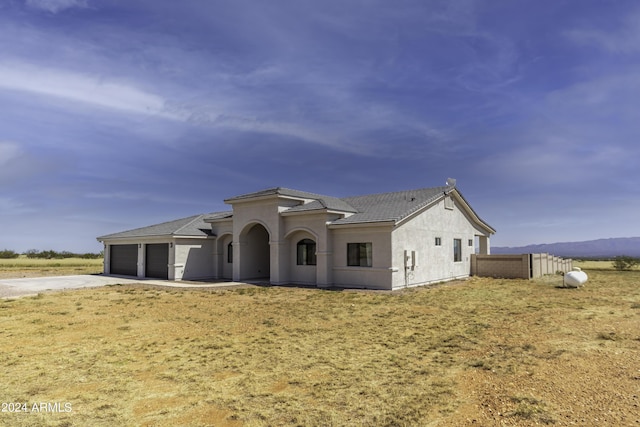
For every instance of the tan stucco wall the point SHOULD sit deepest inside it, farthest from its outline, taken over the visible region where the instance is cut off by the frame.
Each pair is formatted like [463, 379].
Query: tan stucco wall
[378, 276]
[224, 268]
[520, 266]
[312, 226]
[432, 263]
[284, 233]
[300, 274]
[194, 259]
[266, 213]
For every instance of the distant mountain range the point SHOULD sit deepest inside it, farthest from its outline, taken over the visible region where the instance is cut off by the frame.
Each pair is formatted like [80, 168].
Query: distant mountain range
[601, 248]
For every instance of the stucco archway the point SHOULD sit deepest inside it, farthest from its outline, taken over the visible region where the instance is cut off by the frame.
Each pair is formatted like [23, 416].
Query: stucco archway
[302, 246]
[255, 253]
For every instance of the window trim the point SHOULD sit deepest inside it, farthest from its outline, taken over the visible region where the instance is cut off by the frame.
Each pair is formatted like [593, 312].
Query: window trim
[457, 250]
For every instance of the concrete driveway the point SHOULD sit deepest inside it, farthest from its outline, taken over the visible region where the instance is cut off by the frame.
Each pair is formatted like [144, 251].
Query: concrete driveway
[10, 288]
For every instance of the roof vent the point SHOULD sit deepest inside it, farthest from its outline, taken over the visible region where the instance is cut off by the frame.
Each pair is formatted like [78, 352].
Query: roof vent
[451, 182]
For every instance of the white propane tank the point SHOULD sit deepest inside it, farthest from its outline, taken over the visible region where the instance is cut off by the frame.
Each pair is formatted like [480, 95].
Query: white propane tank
[575, 278]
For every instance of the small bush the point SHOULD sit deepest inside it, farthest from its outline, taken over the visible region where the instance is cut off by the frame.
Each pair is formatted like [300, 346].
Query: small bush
[623, 263]
[34, 253]
[8, 254]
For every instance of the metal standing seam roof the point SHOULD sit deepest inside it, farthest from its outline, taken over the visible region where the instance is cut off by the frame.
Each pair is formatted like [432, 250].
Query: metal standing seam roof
[193, 226]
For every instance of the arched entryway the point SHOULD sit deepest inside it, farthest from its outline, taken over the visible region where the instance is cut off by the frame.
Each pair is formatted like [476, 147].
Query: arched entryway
[255, 253]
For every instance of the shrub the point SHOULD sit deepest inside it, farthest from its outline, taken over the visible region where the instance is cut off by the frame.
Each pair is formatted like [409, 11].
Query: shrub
[34, 253]
[6, 253]
[625, 262]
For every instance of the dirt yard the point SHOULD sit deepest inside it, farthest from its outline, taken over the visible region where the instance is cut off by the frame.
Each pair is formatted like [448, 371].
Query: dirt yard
[570, 364]
[483, 352]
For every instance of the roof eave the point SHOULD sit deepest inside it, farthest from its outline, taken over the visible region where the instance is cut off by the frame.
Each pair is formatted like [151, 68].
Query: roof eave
[315, 211]
[178, 236]
[474, 215]
[385, 223]
[154, 236]
[212, 220]
[241, 199]
[131, 238]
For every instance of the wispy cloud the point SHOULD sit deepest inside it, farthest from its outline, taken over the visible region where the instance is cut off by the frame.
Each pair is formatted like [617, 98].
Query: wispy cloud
[11, 206]
[143, 197]
[55, 6]
[18, 166]
[624, 39]
[611, 96]
[78, 87]
[553, 161]
[9, 152]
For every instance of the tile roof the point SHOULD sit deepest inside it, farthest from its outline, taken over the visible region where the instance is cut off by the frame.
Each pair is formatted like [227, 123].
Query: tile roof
[370, 208]
[393, 206]
[274, 191]
[319, 201]
[193, 226]
[218, 215]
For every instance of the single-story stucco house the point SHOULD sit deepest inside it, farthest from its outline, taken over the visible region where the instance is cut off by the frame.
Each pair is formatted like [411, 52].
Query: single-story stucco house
[283, 236]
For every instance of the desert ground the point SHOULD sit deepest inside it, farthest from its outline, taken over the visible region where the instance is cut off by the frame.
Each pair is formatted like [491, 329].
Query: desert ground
[485, 352]
[16, 268]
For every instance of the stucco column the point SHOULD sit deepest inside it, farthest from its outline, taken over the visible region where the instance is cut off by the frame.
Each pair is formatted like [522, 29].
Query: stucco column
[216, 259]
[278, 262]
[324, 260]
[237, 271]
[172, 263]
[141, 248]
[106, 259]
[324, 276]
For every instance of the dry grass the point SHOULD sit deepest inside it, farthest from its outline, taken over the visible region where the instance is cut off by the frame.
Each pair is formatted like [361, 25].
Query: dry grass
[35, 267]
[286, 356]
[593, 265]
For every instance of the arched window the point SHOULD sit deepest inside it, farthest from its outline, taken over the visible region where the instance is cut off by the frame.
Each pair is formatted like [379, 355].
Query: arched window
[306, 250]
[230, 252]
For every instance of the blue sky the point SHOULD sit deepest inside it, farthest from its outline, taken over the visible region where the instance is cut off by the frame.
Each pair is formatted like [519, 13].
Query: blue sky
[119, 114]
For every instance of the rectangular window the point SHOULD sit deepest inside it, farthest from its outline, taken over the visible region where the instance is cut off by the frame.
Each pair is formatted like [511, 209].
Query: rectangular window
[359, 254]
[438, 241]
[470, 242]
[230, 253]
[306, 252]
[457, 250]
